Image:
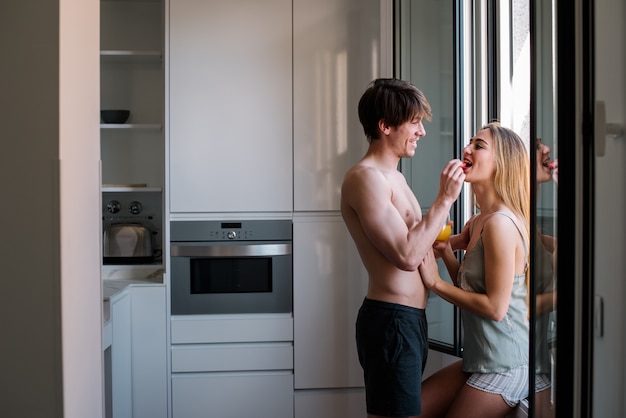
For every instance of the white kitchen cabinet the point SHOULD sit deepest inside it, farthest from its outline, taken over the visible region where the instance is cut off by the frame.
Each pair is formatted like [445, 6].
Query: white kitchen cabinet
[216, 329]
[230, 106]
[149, 351]
[232, 366]
[339, 48]
[233, 357]
[132, 78]
[329, 286]
[138, 353]
[121, 357]
[246, 394]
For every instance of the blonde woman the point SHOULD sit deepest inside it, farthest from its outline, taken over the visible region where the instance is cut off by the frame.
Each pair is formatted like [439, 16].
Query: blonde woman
[490, 285]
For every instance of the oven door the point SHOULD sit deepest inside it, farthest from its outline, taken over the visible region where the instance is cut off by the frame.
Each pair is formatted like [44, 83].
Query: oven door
[231, 277]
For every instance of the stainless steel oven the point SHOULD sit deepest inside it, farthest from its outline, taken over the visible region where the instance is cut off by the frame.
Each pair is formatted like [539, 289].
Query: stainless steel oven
[231, 267]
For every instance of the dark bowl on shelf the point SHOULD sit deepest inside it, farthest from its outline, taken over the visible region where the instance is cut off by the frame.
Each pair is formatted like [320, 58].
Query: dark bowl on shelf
[114, 115]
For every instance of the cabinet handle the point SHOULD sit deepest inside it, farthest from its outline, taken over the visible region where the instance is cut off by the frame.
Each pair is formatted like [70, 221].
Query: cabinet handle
[252, 250]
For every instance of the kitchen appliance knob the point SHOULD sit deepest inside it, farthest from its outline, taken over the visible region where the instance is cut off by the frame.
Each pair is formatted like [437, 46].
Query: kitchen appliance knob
[114, 206]
[232, 234]
[135, 207]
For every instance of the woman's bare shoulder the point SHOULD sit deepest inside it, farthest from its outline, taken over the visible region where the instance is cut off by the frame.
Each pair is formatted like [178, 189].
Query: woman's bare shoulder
[501, 226]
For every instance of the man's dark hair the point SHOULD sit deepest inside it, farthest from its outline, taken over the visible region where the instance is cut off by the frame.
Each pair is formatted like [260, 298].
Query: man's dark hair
[393, 101]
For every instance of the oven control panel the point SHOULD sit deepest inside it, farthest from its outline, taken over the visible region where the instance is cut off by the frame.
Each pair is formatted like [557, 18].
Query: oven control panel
[247, 230]
[231, 235]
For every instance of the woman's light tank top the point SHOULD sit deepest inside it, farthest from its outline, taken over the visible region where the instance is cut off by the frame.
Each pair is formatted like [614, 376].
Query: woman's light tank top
[488, 345]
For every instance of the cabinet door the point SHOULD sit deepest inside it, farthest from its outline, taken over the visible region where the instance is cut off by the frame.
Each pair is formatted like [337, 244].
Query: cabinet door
[337, 51]
[149, 352]
[329, 286]
[230, 106]
[121, 375]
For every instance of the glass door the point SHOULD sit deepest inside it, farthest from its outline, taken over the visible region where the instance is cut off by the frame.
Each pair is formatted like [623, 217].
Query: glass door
[524, 80]
[425, 55]
[545, 178]
[551, 71]
[590, 55]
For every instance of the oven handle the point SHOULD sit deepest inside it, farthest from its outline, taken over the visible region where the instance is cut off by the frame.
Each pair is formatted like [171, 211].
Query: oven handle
[251, 250]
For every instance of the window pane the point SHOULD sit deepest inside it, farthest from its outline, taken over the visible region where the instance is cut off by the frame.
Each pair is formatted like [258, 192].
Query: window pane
[425, 52]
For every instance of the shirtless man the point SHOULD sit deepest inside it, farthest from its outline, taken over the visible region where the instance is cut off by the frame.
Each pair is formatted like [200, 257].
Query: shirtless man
[386, 224]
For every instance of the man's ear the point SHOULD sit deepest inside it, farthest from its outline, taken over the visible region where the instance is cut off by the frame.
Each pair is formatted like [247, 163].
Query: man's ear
[384, 127]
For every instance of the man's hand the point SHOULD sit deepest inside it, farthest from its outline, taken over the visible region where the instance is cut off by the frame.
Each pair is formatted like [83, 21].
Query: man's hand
[451, 180]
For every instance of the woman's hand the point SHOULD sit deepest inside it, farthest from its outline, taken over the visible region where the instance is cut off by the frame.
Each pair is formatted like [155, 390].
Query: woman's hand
[555, 172]
[429, 270]
[461, 240]
[440, 247]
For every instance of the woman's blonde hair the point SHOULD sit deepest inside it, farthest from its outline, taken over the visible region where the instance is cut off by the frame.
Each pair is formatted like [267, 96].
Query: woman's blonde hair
[512, 177]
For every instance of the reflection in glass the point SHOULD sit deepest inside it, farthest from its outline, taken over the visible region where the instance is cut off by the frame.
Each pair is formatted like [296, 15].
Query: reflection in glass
[544, 275]
[544, 280]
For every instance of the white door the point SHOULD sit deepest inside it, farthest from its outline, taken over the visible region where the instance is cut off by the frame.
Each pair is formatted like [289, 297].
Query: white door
[609, 371]
[591, 112]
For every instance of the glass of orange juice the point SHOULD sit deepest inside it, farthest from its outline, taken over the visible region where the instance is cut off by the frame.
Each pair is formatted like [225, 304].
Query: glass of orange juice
[446, 230]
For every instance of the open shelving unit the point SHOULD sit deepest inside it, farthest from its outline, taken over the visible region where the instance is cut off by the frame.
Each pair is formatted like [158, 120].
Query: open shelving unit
[132, 77]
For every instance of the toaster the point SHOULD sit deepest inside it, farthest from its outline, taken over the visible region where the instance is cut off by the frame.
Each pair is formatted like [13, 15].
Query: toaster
[128, 244]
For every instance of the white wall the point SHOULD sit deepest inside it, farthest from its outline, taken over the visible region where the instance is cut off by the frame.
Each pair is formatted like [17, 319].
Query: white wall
[50, 356]
[610, 244]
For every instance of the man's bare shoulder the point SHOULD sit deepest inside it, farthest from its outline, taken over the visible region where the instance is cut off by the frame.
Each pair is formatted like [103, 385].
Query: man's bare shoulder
[364, 187]
[362, 171]
[363, 178]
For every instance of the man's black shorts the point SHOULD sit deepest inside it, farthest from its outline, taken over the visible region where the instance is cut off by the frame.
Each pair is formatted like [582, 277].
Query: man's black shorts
[392, 344]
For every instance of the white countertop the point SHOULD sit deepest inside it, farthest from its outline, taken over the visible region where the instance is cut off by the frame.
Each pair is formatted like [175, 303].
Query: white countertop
[112, 286]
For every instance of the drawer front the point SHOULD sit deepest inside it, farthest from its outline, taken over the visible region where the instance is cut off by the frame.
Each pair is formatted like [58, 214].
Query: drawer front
[232, 357]
[231, 329]
[233, 395]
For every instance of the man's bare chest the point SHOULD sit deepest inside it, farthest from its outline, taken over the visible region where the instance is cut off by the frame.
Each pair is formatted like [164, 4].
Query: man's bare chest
[407, 205]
